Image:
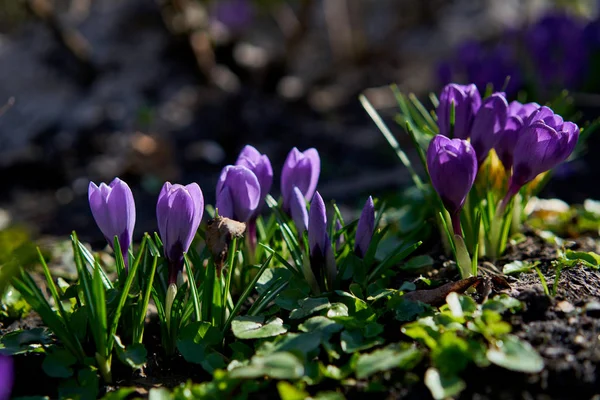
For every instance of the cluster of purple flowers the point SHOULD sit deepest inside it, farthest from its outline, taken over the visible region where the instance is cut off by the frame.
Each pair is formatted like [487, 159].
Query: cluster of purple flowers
[528, 138]
[240, 191]
[558, 47]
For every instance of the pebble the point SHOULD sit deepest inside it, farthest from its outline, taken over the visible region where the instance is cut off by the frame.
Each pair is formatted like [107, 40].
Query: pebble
[592, 309]
[565, 307]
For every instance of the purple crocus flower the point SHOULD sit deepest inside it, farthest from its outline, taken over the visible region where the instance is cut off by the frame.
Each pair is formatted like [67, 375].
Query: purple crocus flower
[556, 44]
[452, 165]
[365, 228]
[234, 14]
[300, 169]
[542, 145]
[260, 165]
[466, 100]
[322, 260]
[489, 122]
[238, 193]
[6, 376]
[517, 113]
[298, 211]
[113, 209]
[179, 212]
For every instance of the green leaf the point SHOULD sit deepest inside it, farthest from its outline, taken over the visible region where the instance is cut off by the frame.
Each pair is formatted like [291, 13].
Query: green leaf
[298, 343]
[516, 355]
[281, 365]
[442, 387]
[256, 328]
[196, 339]
[57, 364]
[337, 310]
[309, 306]
[353, 340]
[23, 341]
[119, 394]
[84, 386]
[589, 259]
[325, 326]
[385, 359]
[408, 310]
[502, 303]
[133, 355]
[159, 394]
[451, 355]
[516, 267]
[287, 391]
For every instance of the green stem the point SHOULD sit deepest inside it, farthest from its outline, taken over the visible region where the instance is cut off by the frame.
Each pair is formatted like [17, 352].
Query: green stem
[463, 259]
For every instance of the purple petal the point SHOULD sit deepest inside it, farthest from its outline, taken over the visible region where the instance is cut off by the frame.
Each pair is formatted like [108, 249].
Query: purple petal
[317, 227]
[298, 211]
[488, 123]
[225, 203]
[180, 232]
[6, 376]
[301, 170]
[198, 199]
[244, 191]
[452, 167]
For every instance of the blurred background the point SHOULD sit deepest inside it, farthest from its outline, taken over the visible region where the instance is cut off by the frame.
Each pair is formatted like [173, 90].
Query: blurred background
[156, 90]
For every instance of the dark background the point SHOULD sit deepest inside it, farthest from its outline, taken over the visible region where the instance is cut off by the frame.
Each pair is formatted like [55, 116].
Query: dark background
[172, 90]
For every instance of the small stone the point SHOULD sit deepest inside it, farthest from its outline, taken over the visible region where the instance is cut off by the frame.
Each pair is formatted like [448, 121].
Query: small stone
[580, 340]
[565, 307]
[592, 309]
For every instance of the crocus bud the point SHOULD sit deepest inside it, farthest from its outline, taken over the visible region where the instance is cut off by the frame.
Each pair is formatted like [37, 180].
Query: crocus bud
[489, 122]
[113, 209]
[179, 212]
[365, 228]
[517, 114]
[301, 170]
[322, 259]
[298, 211]
[260, 165]
[452, 166]
[540, 147]
[6, 376]
[238, 193]
[466, 100]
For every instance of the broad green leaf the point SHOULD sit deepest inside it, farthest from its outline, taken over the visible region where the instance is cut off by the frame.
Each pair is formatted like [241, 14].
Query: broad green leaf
[57, 364]
[353, 340]
[442, 387]
[83, 386]
[256, 328]
[516, 267]
[385, 359]
[337, 310]
[287, 391]
[589, 259]
[323, 325]
[516, 355]
[502, 303]
[23, 341]
[119, 394]
[196, 339]
[310, 306]
[451, 355]
[281, 365]
[133, 355]
[297, 343]
[159, 394]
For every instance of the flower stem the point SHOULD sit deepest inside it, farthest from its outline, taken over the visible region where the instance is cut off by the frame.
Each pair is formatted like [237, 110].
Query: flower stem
[455, 218]
[463, 259]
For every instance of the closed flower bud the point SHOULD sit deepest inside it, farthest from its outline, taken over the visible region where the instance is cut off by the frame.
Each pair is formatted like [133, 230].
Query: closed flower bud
[365, 228]
[113, 209]
[466, 100]
[452, 166]
[298, 211]
[179, 212]
[488, 124]
[260, 165]
[238, 193]
[322, 259]
[301, 169]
